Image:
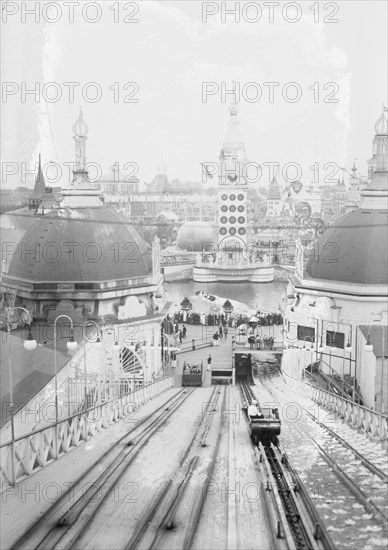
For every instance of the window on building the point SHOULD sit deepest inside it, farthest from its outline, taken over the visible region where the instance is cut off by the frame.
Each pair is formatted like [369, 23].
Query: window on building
[306, 333]
[335, 339]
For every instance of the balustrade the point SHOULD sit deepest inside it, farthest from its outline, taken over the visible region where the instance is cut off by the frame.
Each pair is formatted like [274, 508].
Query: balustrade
[362, 418]
[37, 449]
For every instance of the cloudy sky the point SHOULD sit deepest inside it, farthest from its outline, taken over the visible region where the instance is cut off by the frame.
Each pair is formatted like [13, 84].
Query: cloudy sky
[169, 53]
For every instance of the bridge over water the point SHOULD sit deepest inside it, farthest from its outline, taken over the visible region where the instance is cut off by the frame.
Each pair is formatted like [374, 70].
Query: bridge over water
[190, 258]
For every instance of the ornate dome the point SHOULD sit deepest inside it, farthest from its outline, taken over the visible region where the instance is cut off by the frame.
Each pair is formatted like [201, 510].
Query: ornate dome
[381, 126]
[193, 235]
[354, 250]
[81, 245]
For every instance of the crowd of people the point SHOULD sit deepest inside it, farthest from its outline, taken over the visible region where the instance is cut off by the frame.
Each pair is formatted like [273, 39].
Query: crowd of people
[170, 324]
[261, 343]
[191, 369]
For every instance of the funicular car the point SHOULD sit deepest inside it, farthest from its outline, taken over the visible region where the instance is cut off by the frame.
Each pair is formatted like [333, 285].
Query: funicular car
[192, 374]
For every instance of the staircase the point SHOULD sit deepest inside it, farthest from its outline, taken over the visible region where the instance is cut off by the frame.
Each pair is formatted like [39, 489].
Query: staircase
[342, 386]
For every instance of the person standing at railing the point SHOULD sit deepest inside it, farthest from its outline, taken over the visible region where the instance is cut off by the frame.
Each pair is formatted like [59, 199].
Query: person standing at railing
[209, 361]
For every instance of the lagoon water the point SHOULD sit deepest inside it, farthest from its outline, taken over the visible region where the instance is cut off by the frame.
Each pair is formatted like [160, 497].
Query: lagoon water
[262, 296]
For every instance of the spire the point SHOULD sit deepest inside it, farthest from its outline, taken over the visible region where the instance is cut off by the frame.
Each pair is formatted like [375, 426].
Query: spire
[35, 198]
[81, 193]
[40, 185]
[233, 141]
[80, 131]
[80, 128]
[377, 189]
[381, 126]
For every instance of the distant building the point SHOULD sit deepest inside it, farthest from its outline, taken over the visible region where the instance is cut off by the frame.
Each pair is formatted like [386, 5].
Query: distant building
[353, 198]
[341, 290]
[189, 202]
[274, 200]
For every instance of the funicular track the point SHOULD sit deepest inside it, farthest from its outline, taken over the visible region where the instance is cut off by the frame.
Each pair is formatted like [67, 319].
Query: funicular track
[267, 372]
[161, 517]
[62, 525]
[297, 520]
[337, 460]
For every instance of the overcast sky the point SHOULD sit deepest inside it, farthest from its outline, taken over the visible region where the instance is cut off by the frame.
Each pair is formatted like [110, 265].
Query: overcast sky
[169, 53]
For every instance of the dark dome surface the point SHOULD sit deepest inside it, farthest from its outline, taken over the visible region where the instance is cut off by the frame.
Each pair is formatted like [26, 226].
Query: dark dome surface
[194, 235]
[353, 250]
[79, 245]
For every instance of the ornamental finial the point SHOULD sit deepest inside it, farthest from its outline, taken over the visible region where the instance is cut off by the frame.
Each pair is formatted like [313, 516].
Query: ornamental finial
[381, 126]
[80, 128]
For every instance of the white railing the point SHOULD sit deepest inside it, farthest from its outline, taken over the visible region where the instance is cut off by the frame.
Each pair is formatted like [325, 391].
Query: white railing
[362, 418]
[35, 450]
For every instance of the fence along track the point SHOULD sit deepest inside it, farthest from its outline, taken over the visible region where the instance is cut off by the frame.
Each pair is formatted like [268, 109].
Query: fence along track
[49, 529]
[38, 449]
[379, 516]
[365, 461]
[368, 503]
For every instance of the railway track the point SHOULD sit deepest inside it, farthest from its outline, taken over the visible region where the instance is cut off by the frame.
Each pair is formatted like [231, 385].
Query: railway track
[297, 520]
[382, 474]
[161, 525]
[363, 459]
[359, 483]
[61, 526]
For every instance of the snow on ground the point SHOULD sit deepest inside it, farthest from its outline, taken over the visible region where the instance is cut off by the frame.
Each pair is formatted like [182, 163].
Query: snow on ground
[339, 508]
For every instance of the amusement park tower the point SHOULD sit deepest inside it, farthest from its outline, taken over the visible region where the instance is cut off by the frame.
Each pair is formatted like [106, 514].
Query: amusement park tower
[231, 258]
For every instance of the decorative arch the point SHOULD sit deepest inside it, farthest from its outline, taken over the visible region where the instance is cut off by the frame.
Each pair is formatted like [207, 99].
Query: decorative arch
[131, 361]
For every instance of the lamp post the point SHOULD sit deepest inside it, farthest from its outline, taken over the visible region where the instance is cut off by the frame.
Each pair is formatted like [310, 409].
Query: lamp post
[369, 348]
[29, 344]
[233, 363]
[98, 343]
[71, 346]
[165, 339]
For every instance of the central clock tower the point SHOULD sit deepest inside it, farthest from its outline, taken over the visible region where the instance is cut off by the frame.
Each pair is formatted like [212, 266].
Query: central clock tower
[232, 191]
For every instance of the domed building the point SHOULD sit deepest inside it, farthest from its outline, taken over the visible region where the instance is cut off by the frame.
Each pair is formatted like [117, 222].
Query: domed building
[337, 300]
[84, 260]
[193, 236]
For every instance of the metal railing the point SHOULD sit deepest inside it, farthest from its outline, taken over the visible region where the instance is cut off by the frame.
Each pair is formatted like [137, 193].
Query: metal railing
[362, 418]
[358, 416]
[37, 449]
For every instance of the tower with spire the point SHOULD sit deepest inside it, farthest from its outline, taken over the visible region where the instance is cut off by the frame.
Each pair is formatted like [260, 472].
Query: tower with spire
[378, 164]
[81, 192]
[375, 195]
[80, 135]
[353, 199]
[232, 190]
[233, 260]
